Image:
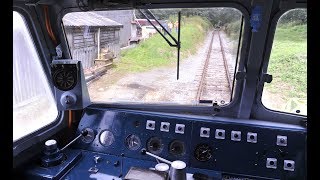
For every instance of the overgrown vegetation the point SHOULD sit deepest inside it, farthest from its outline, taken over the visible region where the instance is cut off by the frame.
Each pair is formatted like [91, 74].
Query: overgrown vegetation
[217, 16]
[155, 52]
[288, 65]
[232, 29]
[288, 61]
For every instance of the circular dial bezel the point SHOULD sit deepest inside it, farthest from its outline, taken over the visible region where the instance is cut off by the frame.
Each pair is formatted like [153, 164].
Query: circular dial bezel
[176, 143]
[89, 137]
[130, 140]
[106, 138]
[155, 141]
[65, 79]
[203, 152]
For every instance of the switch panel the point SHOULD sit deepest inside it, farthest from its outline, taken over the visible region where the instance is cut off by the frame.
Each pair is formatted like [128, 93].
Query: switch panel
[151, 125]
[271, 163]
[288, 165]
[180, 128]
[236, 135]
[165, 126]
[252, 137]
[282, 140]
[205, 132]
[220, 134]
[215, 146]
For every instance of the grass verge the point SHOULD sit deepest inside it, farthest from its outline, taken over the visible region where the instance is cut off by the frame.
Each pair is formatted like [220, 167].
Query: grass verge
[155, 52]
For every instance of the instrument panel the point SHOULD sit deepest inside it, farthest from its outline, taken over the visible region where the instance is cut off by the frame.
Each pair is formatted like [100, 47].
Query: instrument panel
[229, 146]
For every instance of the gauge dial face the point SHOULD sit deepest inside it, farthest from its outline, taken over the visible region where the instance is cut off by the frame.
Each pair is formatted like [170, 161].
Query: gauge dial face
[89, 137]
[154, 145]
[106, 138]
[177, 148]
[133, 142]
[203, 152]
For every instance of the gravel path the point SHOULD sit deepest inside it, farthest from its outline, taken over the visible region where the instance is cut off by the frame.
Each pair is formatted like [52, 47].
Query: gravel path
[157, 85]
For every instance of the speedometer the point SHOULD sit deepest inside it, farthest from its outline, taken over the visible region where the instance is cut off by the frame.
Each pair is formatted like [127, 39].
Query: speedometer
[203, 152]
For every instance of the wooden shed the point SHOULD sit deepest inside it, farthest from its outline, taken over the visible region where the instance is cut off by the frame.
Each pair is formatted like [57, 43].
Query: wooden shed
[91, 37]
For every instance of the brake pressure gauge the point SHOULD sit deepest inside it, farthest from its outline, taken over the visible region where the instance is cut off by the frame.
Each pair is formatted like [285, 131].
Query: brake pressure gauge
[133, 142]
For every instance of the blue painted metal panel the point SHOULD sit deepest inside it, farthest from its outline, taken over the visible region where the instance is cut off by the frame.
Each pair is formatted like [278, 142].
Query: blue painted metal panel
[228, 157]
[249, 158]
[35, 171]
[106, 167]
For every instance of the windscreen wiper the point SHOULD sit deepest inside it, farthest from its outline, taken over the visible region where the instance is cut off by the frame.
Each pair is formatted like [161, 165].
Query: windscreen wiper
[176, 44]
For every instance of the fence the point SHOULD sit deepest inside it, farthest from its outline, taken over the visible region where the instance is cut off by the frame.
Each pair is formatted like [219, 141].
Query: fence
[87, 55]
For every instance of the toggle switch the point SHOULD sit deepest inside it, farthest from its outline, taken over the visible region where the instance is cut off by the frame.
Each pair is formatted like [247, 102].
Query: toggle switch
[220, 134]
[165, 126]
[96, 159]
[282, 140]
[271, 163]
[288, 165]
[205, 132]
[236, 135]
[252, 137]
[180, 128]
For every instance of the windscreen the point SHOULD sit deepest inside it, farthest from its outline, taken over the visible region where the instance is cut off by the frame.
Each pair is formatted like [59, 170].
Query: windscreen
[127, 59]
[288, 65]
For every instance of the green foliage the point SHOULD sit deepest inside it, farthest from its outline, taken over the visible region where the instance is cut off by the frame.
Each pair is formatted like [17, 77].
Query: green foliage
[216, 16]
[294, 17]
[233, 29]
[155, 52]
[288, 62]
[291, 32]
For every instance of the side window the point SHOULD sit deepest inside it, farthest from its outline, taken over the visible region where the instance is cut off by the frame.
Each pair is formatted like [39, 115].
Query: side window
[288, 65]
[33, 102]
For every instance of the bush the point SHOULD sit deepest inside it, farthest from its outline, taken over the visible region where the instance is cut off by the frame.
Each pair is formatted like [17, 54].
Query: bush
[232, 29]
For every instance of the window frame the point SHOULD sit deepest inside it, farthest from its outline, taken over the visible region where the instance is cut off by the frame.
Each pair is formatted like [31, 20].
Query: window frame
[260, 111]
[35, 30]
[229, 110]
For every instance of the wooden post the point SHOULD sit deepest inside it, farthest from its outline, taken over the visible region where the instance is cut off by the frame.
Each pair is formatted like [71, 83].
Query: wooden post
[98, 43]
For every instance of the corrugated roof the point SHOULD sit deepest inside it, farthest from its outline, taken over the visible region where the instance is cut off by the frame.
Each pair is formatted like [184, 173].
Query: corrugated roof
[88, 19]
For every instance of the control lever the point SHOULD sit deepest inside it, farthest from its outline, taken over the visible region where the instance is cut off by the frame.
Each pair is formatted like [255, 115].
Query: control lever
[53, 155]
[83, 133]
[144, 152]
[177, 168]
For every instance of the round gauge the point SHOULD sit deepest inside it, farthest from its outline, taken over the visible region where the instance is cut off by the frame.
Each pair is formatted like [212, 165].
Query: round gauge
[89, 137]
[133, 142]
[203, 152]
[154, 145]
[65, 79]
[177, 148]
[106, 138]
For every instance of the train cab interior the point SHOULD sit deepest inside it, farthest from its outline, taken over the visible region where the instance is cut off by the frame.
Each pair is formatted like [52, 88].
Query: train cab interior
[160, 89]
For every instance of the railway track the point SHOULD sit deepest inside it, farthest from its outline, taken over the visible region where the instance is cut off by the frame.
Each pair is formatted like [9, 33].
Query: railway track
[215, 83]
